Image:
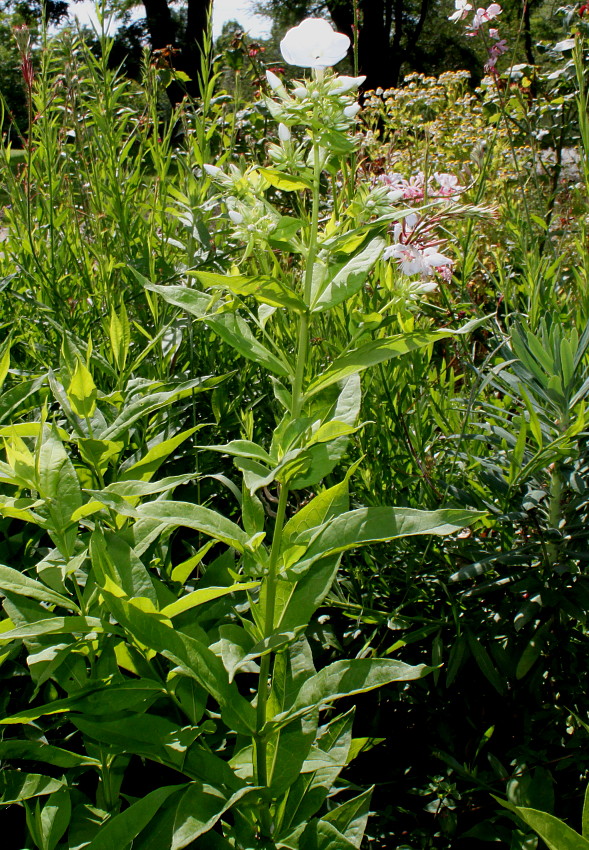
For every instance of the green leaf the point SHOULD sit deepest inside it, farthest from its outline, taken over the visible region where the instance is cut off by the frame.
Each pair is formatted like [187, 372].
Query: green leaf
[585, 817]
[15, 582]
[143, 469]
[205, 594]
[11, 401]
[243, 448]
[373, 525]
[348, 279]
[236, 332]
[195, 811]
[554, 832]
[12, 748]
[139, 408]
[284, 182]
[55, 817]
[4, 364]
[201, 519]
[266, 290]
[16, 786]
[82, 392]
[182, 572]
[112, 556]
[54, 626]
[321, 835]
[294, 744]
[120, 830]
[194, 302]
[154, 737]
[372, 353]
[283, 235]
[190, 654]
[351, 817]
[345, 678]
[58, 483]
[309, 792]
[120, 335]
[483, 659]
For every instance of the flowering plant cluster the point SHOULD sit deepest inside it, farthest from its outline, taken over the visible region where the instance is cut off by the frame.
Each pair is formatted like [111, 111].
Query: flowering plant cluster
[480, 18]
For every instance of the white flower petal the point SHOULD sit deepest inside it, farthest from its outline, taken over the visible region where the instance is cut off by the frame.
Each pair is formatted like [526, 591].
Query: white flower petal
[314, 44]
[345, 84]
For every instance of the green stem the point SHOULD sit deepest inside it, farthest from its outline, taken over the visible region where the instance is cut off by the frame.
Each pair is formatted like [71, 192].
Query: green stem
[266, 663]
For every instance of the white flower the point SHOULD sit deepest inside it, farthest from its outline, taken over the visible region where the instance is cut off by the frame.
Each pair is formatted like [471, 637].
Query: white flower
[283, 133]
[463, 7]
[235, 217]
[413, 260]
[314, 44]
[352, 111]
[345, 84]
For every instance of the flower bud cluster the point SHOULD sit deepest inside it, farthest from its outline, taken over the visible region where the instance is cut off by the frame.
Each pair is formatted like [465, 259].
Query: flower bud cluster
[327, 102]
[253, 218]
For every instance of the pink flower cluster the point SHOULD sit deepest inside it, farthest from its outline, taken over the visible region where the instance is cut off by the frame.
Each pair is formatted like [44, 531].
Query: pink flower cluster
[415, 189]
[481, 17]
[416, 252]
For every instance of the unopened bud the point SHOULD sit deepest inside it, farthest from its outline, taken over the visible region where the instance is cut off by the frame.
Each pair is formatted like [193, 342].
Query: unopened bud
[273, 81]
[283, 133]
[352, 111]
[343, 85]
[235, 217]
[300, 92]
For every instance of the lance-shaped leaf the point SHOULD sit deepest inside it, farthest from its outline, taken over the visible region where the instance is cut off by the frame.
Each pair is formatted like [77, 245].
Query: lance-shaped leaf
[54, 626]
[235, 331]
[345, 678]
[15, 582]
[192, 813]
[194, 302]
[16, 786]
[554, 832]
[195, 659]
[351, 817]
[284, 182]
[266, 290]
[120, 830]
[204, 594]
[12, 748]
[378, 524]
[348, 279]
[144, 468]
[201, 519]
[372, 353]
[157, 738]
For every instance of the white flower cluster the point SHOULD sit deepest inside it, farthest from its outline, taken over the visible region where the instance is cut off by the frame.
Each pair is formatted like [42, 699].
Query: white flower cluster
[327, 101]
[254, 219]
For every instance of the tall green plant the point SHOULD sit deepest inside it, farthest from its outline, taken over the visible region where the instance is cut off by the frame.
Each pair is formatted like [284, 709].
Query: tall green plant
[214, 676]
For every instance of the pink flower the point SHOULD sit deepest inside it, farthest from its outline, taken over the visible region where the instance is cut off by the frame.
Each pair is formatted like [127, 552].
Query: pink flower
[417, 260]
[448, 184]
[463, 7]
[483, 16]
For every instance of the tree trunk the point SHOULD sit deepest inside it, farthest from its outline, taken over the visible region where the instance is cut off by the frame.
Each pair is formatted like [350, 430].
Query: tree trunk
[163, 33]
[197, 22]
[376, 58]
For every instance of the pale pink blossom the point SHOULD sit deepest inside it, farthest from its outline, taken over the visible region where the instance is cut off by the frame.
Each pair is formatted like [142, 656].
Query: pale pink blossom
[483, 16]
[417, 260]
[448, 184]
[462, 10]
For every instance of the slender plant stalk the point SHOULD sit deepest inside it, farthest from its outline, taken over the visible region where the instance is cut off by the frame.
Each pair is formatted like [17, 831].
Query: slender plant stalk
[266, 663]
